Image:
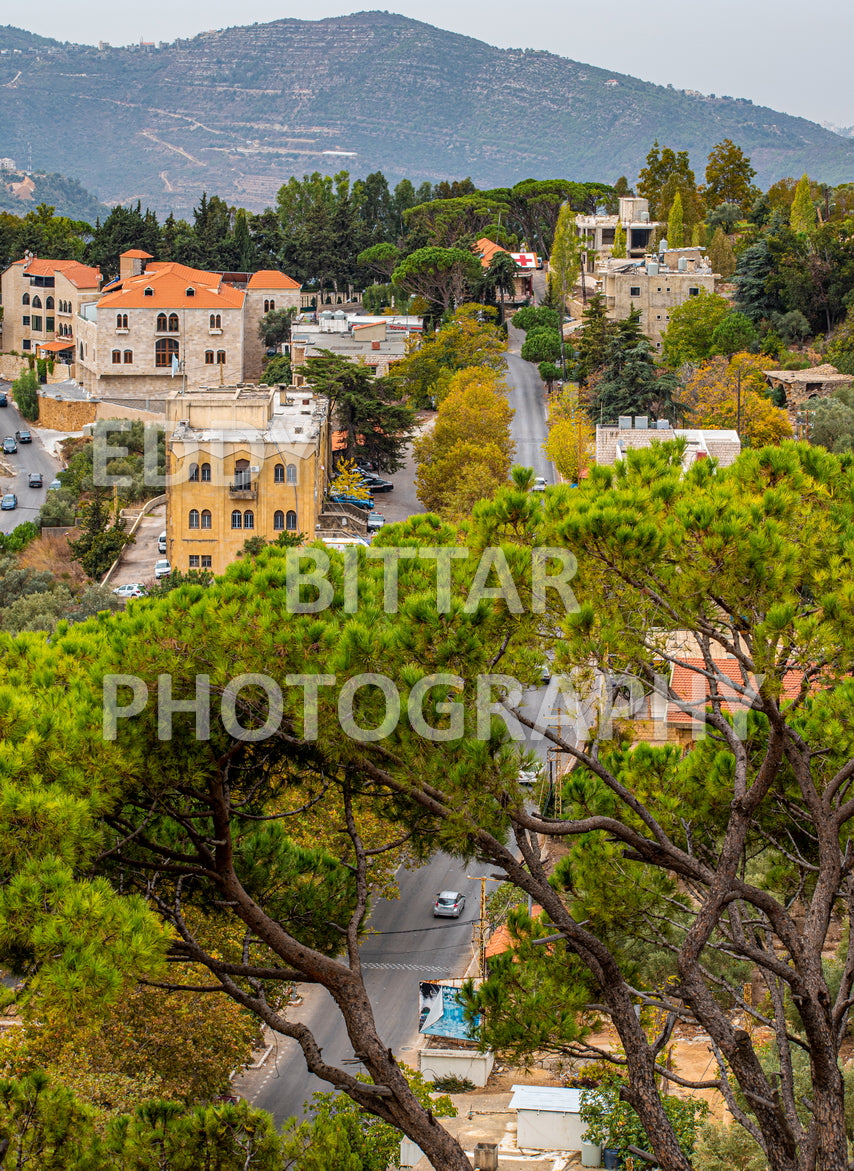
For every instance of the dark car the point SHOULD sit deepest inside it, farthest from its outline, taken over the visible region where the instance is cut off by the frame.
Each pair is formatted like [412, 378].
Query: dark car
[23, 436]
[9, 501]
[4, 401]
[376, 483]
[9, 445]
[36, 480]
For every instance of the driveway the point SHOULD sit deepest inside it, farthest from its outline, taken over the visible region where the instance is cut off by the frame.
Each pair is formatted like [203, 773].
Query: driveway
[30, 457]
[137, 563]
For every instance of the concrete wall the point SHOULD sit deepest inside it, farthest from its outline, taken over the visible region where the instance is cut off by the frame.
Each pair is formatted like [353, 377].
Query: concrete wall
[549, 1130]
[462, 1063]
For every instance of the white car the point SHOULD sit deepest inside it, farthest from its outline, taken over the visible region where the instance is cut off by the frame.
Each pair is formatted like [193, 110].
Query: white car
[133, 589]
[162, 568]
[161, 543]
[539, 484]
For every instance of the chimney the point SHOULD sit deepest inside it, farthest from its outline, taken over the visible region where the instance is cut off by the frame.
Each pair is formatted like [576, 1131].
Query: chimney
[375, 345]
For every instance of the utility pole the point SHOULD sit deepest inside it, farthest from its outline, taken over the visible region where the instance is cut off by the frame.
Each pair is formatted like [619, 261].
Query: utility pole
[481, 924]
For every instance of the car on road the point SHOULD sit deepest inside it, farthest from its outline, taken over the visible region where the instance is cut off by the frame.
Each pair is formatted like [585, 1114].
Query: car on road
[449, 904]
[376, 483]
[54, 486]
[132, 589]
[9, 446]
[539, 484]
[35, 480]
[161, 543]
[162, 568]
[4, 400]
[342, 498]
[375, 522]
[24, 436]
[529, 776]
[9, 501]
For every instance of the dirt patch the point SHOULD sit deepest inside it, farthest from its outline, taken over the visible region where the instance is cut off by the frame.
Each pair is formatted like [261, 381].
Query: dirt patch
[50, 553]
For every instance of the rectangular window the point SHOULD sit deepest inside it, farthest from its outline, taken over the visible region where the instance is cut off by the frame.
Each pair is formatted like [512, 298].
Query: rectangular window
[634, 291]
[207, 561]
[48, 324]
[25, 320]
[36, 323]
[693, 292]
[194, 561]
[25, 344]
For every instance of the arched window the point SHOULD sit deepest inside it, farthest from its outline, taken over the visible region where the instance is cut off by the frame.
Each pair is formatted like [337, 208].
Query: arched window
[206, 519]
[194, 474]
[279, 474]
[121, 321]
[220, 357]
[209, 358]
[292, 473]
[206, 473]
[117, 357]
[161, 322]
[237, 519]
[37, 302]
[269, 305]
[216, 321]
[249, 519]
[165, 349]
[194, 518]
[242, 474]
[291, 521]
[48, 303]
[278, 521]
[173, 322]
[25, 300]
[128, 357]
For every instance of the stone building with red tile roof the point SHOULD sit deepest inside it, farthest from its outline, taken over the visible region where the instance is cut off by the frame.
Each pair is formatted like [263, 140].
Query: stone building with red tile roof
[41, 300]
[160, 321]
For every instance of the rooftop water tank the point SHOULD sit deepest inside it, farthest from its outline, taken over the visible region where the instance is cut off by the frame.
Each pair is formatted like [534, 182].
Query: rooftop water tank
[662, 424]
[641, 423]
[644, 217]
[625, 422]
[652, 268]
[682, 264]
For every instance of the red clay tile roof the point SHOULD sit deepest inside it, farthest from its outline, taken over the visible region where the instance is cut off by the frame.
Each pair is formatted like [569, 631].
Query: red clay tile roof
[501, 940]
[169, 282]
[270, 278]
[487, 249]
[138, 254]
[82, 276]
[692, 688]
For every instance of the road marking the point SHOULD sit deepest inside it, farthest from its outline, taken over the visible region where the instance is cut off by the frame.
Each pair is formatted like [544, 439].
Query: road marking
[405, 968]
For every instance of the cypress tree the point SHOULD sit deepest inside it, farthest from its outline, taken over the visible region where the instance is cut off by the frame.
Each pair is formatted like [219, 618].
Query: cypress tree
[675, 223]
[802, 218]
[618, 251]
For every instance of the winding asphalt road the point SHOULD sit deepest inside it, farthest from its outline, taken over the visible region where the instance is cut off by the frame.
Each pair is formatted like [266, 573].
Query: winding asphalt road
[407, 944]
[30, 457]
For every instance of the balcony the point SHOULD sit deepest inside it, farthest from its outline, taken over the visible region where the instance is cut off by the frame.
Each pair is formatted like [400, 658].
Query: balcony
[243, 490]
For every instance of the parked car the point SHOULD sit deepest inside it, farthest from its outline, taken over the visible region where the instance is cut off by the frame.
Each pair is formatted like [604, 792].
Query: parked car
[449, 904]
[23, 436]
[9, 501]
[539, 484]
[35, 480]
[132, 590]
[376, 483]
[54, 485]
[4, 401]
[161, 543]
[529, 776]
[340, 498]
[162, 568]
[9, 445]
[375, 522]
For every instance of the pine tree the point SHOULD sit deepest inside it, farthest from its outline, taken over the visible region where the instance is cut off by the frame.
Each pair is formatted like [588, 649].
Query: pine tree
[675, 223]
[802, 217]
[591, 346]
[618, 251]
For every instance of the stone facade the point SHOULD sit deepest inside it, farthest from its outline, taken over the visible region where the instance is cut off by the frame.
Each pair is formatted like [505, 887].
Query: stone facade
[799, 386]
[242, 461]
[41, 300]
[653, 288]
[208, 321]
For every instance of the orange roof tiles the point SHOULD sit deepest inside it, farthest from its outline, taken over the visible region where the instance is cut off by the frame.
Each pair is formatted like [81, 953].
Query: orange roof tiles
[82, 276]
[693, 688]
[270, 278]
[169, 283]
[487, 249]
[138, 254]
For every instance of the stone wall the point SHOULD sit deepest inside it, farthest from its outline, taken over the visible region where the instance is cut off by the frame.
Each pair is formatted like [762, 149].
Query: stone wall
[66, 414]
[13, 365]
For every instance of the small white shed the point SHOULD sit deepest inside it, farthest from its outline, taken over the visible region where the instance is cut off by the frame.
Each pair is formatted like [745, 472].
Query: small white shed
[547, 1118]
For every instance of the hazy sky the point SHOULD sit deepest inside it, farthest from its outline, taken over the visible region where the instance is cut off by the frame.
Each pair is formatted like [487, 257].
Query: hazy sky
[779, 53]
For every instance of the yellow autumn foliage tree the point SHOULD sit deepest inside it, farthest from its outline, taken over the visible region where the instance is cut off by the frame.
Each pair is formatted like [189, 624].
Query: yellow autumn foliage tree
[468, 453]
[348, 481]
[571, 442]
[712, 398]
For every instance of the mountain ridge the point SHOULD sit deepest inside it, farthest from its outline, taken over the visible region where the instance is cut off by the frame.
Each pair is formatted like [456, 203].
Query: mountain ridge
[236, 111]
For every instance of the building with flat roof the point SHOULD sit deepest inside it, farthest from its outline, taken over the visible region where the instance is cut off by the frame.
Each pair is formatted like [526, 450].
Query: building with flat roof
[655, 286]
[242, 461]
[629, 433]
[597, 232]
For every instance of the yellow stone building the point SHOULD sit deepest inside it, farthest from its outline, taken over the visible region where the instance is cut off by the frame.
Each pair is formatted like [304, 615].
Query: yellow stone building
[242, 461]
[41, 301]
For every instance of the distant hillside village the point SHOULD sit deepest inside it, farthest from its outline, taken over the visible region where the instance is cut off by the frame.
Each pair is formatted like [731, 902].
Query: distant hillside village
[666, 309]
